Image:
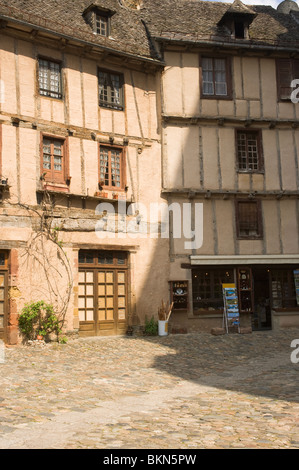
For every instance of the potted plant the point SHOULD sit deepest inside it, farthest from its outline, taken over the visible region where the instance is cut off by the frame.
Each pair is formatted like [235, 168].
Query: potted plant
[164, 313]
[115, 196]
[150, 327]
[38, 320]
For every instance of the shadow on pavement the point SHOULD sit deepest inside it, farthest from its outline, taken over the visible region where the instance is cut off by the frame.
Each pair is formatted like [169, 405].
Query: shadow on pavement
[257, 364]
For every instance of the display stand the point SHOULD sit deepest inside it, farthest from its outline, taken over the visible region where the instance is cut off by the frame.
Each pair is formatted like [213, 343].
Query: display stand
[231, 315]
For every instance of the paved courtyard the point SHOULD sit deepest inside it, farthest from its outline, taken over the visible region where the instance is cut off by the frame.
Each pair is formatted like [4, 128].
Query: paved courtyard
[194, 391]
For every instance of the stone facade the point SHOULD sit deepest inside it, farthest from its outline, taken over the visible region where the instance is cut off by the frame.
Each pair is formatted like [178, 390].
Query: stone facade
[112, 100]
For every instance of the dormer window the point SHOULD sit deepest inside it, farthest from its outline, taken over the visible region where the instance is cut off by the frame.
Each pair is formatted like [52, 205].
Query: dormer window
[237, 20]
[98, 19]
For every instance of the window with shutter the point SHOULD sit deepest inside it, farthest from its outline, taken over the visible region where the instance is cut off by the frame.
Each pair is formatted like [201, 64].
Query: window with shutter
[287, 70]
[248, 219]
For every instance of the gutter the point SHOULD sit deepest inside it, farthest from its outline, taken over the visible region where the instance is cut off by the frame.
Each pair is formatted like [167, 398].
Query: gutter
[247, 45]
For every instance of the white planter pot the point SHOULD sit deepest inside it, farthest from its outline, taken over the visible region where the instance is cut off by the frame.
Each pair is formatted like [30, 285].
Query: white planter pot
[163, 328]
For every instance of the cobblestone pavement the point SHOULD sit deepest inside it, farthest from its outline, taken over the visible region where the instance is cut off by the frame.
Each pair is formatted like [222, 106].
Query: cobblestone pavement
[194, 391]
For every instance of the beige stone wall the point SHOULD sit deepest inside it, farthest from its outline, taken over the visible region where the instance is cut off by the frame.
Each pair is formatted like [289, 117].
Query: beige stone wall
[90, 124]
[200, 155]
[253, 83]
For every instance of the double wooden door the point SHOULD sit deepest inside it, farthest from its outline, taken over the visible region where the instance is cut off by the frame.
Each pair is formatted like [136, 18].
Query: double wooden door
[3, 294]
[102, 297]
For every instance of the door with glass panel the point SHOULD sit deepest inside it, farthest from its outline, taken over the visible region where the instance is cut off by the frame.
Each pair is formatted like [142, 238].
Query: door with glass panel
[3, 294]
[102, 293]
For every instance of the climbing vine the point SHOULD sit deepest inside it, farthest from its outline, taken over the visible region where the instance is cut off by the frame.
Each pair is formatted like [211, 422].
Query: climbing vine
[45, 254]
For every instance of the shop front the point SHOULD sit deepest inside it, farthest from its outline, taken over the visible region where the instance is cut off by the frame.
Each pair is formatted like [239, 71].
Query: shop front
[266, 291]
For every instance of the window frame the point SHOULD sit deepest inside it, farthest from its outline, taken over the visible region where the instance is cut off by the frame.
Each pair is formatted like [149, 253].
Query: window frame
[53, 178]
[94, 256]
[293, 74]
[99, 16]
[109, 103]
[228, 74]
[6, 258]
[122, 167]
[260, 156]
[259, 234]
[48, 91]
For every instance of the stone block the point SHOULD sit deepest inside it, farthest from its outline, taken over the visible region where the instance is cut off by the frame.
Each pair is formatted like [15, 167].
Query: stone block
[245, 330]
[218, 331]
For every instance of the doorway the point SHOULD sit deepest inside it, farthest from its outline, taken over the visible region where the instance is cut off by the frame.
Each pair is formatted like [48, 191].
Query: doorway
[3, 293]
[102, 293]
[261, 317]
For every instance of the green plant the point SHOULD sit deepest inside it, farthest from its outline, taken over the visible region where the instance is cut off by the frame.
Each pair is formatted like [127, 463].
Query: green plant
[151, 327]
[38, 318]
[63, 340]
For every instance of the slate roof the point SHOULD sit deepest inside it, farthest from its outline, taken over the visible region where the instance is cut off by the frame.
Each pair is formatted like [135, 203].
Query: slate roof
[196, 20]
[65, 17]
[133, 31]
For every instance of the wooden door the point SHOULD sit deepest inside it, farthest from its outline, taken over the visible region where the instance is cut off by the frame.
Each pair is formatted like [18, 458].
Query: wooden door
[3, 294]
[102, 294]
[86, 301]
[112, 301]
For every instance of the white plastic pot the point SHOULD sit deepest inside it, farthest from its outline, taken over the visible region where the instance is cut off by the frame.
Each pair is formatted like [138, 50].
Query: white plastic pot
[162, 328]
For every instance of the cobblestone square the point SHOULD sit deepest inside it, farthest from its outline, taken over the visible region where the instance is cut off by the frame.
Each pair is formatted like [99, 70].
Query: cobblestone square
[193, 391]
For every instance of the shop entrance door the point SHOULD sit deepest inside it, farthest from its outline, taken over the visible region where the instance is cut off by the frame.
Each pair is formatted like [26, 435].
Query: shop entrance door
[262, 310]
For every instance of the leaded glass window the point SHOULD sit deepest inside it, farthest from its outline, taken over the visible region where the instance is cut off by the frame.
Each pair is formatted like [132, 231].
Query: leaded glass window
[49, 75]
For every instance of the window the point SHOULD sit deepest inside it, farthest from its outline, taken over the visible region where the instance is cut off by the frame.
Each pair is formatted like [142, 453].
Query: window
[249, 151]
[110, 90]
[98, 20]
[215, 78]
[49, 75]
[114, 258]
[53, 159]
[287, 70]
[111, 167]
[283, 288]
[207, 287]
[239, 30]
[101, 25]
[249, 220]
